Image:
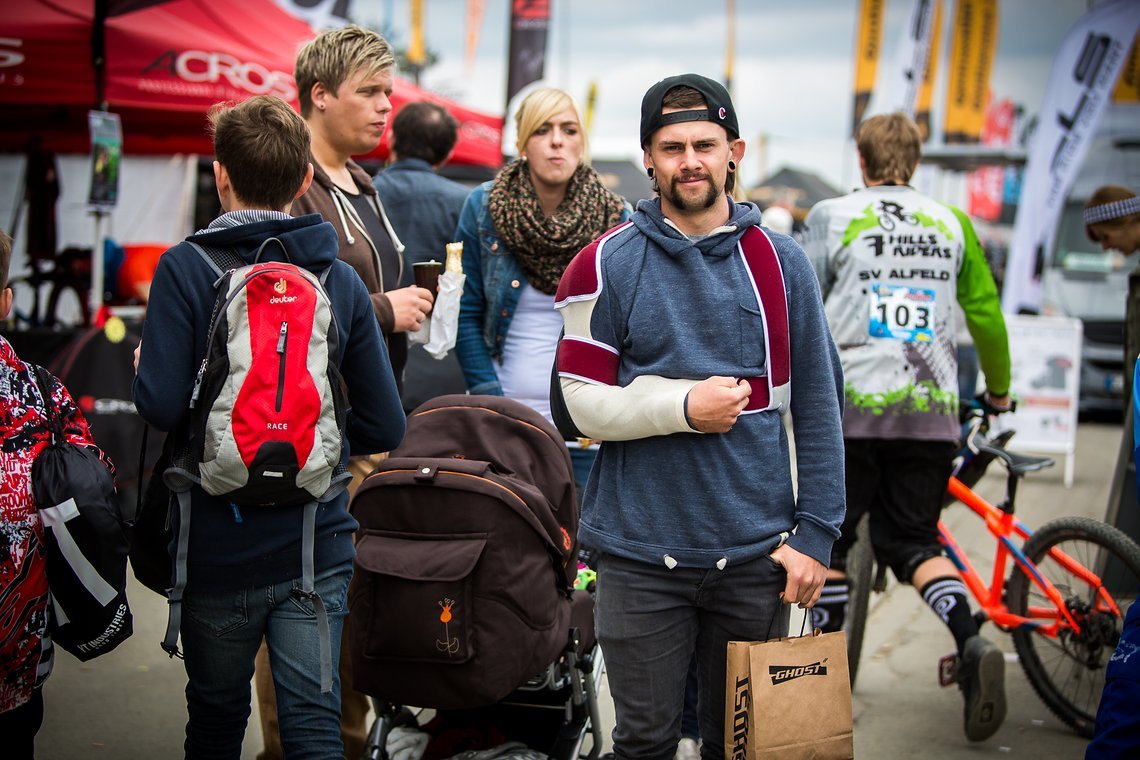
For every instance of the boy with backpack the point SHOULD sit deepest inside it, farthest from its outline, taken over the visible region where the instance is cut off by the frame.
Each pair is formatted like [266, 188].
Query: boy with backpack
[262, 298]
[26, 652]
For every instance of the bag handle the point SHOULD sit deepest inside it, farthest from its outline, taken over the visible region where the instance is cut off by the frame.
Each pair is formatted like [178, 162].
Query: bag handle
[804, 627]
[267, 241]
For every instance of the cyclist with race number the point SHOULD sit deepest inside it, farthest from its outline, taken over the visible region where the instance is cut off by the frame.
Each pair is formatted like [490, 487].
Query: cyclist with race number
[891, 263]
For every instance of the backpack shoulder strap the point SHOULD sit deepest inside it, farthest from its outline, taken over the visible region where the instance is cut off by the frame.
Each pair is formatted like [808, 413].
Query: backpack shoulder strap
[221, 260]
[767, 277]
[42, 380]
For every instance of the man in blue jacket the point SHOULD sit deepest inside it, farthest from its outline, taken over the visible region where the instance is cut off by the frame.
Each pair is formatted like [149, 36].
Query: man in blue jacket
[690, 332]
[245, 567]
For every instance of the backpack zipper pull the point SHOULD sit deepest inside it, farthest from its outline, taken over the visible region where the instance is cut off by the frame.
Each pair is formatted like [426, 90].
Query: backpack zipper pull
[197, 385]
[282, 337]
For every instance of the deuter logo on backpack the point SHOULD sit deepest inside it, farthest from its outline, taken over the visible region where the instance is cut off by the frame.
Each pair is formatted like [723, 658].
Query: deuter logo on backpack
[268, 406]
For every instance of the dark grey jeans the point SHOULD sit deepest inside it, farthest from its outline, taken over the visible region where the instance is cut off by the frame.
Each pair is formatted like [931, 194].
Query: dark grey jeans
[651, 619]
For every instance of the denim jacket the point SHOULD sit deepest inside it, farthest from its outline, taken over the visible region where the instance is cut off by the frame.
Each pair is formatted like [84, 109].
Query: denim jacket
[491, 293]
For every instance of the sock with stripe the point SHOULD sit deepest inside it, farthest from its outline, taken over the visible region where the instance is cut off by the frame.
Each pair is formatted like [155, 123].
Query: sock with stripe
[831, 609]
[947, 596]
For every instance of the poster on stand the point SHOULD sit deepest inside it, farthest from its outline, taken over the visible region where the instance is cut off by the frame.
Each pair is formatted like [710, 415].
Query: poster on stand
[106, 156]
[1045, 353]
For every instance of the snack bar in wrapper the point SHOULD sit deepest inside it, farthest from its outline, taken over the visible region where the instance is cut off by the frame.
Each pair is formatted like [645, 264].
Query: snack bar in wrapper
[454, 258]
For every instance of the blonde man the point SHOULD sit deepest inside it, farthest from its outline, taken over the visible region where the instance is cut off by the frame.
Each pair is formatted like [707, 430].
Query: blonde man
[892, 263]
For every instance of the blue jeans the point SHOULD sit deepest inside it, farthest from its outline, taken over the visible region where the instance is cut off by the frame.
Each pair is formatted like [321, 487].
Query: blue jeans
[221, 632]
[650, 620]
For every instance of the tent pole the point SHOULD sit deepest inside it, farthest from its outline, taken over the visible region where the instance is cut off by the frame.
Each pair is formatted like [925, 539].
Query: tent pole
[95, 297]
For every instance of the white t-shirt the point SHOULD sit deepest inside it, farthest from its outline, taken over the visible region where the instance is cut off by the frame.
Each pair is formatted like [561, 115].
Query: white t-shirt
[528, 353]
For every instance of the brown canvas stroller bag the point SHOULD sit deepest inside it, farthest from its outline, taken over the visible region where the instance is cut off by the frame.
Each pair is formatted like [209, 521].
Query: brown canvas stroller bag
[466, 556]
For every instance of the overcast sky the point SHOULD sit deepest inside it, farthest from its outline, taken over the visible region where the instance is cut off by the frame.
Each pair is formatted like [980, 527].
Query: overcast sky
[792, 77]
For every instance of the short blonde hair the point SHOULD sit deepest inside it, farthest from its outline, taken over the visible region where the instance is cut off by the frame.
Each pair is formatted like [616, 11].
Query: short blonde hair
[335, 56]
[539, 107]
[890, 145]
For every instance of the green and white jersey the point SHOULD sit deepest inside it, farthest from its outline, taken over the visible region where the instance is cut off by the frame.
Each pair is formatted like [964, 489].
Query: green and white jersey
[891, 263]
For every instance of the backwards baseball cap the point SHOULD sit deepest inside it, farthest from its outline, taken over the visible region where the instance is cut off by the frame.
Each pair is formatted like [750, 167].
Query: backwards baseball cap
[719, 111]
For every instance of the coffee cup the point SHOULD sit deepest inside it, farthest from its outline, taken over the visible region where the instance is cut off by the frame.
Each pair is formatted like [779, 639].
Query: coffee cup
[426, 274]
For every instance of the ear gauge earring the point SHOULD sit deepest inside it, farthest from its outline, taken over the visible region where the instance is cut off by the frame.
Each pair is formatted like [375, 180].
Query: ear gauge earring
[321, 106]
[731, 165]
[649, 171]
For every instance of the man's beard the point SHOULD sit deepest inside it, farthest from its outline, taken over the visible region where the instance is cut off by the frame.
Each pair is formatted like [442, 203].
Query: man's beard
[674, 196]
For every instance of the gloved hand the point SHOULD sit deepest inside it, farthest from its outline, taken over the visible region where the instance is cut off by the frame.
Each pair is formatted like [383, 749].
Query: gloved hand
[406, 743]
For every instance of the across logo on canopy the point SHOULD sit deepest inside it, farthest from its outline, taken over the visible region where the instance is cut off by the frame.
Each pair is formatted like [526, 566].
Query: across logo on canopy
[201, 66]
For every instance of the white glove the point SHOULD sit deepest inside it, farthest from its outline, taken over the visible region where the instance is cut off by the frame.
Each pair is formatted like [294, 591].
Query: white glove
[406, 744]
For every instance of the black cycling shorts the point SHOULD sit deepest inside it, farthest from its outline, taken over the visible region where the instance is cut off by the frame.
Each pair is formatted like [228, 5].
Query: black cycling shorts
[901, 483]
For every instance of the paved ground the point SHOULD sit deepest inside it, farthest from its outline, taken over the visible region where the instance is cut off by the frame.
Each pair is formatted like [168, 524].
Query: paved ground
[130, 705]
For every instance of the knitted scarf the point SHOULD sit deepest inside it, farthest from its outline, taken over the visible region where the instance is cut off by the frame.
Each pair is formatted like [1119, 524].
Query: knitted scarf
[544, 246]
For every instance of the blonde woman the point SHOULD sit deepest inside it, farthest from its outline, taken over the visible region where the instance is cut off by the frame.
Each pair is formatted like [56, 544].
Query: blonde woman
[519, 232]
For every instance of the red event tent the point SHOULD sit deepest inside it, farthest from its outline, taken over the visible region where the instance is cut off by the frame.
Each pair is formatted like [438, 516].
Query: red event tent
[164, 64]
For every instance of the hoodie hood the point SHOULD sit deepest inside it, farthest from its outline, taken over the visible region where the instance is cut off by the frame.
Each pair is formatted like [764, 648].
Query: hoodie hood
[310, 241]
[720, 242]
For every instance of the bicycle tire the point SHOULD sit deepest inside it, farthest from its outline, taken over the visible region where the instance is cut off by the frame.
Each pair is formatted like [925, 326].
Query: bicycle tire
[860, 576]
[1068, 672]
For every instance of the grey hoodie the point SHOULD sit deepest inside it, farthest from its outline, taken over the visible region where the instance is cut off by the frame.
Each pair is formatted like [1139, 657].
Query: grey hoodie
[676, 308]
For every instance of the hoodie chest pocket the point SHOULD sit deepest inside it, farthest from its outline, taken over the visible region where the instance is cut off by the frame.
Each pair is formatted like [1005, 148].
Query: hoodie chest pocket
[752, 353]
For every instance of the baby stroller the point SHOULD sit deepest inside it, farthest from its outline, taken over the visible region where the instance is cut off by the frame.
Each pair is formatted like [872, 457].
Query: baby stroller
[463, 598]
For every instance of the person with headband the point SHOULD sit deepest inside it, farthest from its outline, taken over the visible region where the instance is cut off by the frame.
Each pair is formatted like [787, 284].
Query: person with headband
[1112, 219]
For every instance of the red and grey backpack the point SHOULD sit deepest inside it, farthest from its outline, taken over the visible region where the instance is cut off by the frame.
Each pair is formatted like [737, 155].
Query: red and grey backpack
[267, 412]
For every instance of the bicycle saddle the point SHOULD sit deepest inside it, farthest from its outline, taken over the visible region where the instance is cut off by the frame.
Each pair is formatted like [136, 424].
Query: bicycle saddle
[1018, 464]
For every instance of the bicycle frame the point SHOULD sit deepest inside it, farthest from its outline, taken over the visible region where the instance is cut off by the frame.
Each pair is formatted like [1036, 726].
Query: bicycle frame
[1002, 525]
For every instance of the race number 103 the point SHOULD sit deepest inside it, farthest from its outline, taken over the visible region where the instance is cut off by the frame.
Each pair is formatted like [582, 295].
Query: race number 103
[902, 313]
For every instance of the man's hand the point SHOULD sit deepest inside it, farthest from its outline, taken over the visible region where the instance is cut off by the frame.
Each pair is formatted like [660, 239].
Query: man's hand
[138, 348]
[410, 306]
[805, 576]
[715, 403]
[999, 403]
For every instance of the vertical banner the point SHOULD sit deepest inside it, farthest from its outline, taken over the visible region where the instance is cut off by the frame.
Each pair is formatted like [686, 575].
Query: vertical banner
[868, 41]
[475, 11]
[900, 90]
[971, 60]
[930, 75]
[1128, 86]
[416, 53]
[529, 22]
[1080, 84]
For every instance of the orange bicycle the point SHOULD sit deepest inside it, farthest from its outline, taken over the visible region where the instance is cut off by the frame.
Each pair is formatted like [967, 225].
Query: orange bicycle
[1069, 587]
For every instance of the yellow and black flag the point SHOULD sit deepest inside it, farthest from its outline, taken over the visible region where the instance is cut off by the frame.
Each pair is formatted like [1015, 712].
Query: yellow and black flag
[972, 51]
[867, 45]
[1128, 86]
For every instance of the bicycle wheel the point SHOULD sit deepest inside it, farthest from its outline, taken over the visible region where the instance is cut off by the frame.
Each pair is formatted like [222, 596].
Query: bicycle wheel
[1067, 671]
[860, 576]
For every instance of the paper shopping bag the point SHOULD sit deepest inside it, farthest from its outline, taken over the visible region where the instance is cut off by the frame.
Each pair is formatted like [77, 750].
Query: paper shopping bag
[789, 698]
